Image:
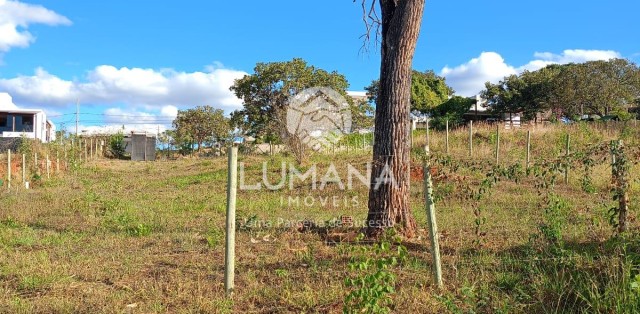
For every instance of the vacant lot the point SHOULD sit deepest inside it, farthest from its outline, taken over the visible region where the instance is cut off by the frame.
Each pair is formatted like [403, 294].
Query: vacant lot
[121, 236]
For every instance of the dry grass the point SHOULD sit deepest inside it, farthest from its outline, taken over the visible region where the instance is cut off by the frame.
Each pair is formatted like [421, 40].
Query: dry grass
[120, 236]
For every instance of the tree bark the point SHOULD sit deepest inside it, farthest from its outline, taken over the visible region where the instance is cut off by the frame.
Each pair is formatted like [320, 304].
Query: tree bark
[390, 176]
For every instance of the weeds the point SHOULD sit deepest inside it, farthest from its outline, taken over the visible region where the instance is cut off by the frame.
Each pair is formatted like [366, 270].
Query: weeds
[374, 282]
[115, 233]
[214, 237]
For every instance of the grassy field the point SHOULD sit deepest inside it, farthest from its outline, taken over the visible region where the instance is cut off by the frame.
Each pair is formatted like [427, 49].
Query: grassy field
[133, 237]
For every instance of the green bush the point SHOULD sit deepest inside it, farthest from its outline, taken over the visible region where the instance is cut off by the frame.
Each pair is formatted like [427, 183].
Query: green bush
[116, 145]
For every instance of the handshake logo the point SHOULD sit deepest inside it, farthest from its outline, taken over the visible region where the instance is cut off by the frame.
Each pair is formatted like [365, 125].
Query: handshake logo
[318, 116]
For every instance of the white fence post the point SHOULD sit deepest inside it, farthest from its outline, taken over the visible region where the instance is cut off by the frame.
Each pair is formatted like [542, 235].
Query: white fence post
[230, 252]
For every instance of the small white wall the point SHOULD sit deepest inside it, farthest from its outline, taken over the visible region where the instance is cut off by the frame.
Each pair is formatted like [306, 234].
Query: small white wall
[19, 134]
[40, 125]
[52, 138]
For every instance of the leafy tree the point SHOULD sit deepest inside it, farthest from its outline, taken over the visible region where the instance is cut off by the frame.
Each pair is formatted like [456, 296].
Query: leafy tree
[400, 22]
[503, 97]
[451, 110]
[537, 94]
[361, 115]
[597, 87]
[265, 95]
[428, 90]
[116, 145]
[199, 125]
[60, 135]
[165, 139]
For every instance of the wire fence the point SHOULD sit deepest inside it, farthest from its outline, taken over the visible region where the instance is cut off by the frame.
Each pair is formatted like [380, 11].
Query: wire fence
[28, 163]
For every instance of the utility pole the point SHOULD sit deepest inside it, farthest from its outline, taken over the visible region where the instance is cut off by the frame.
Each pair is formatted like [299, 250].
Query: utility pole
[158, 140]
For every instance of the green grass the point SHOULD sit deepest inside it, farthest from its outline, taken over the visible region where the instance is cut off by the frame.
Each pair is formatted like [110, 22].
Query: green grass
[117, 233]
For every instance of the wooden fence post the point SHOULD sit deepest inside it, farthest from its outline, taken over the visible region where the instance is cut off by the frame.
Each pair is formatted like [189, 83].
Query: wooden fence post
[497, 144]
[411, 139]
[48, 166]
[428, 136]
[619, 177]
[566, 170]
[66, 159]
[446, 140]
[528, 160]
[471, 138]
[24, 170]
[8, 169]
[230, 252]
[431, 221]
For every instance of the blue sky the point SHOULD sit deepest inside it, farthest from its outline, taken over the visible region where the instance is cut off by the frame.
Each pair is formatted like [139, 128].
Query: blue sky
[137, 62]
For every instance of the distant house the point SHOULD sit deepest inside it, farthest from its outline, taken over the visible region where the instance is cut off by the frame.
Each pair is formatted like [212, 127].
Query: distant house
[358, 95]
[30, 123]
[418, 122]
[479, 110]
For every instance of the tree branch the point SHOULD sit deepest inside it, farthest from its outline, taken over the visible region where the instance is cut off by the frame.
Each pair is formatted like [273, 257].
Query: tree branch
[371, 22]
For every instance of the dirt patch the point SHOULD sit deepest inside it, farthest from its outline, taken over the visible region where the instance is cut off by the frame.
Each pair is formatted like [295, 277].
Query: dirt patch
[417, 172]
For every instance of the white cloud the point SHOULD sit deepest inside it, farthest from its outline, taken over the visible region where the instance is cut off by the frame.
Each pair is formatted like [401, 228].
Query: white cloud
[136, 87]
[140, 99]
[6, 102]
[15, 18]
[113, 129]
[169, 111]
[40, 89]
[568, 56]
[468, 79]
[113, 120]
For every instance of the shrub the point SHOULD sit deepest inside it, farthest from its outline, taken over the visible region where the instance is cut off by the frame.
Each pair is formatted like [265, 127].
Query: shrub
[116, 145]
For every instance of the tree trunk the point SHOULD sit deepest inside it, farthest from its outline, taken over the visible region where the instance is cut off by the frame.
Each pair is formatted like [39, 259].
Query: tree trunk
[390, 176]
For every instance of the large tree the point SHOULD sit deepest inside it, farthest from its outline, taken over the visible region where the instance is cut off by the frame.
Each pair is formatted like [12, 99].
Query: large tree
[400, 22]
[595, 87]
[200, 124]
[265, 95]
[451, 111]
[428, 90]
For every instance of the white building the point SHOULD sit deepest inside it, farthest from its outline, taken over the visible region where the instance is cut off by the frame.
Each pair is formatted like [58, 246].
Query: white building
[30, 123]
[358, 95]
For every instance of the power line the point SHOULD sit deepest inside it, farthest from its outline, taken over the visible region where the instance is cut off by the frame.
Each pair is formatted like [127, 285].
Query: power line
[114, 115]
[96, 122]
[127, 115]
